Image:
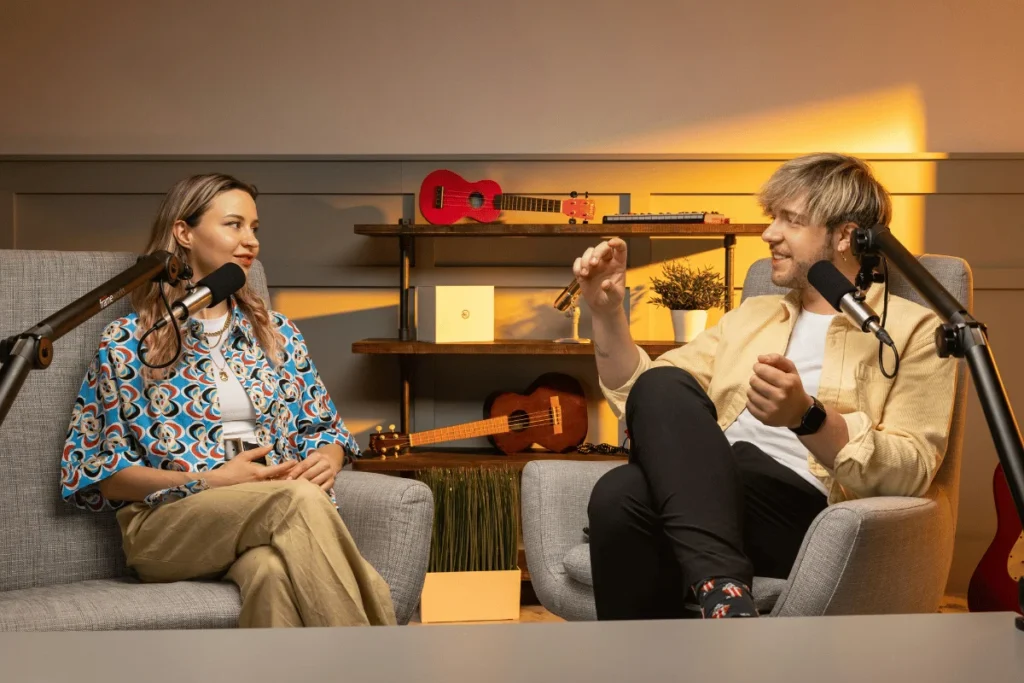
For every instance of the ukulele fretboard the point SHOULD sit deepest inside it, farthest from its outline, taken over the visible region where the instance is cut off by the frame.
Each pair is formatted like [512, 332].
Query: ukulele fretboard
[514, 202]
[495, 425]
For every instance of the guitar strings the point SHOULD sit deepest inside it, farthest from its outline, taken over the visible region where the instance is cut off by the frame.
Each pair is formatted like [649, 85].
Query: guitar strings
[457, 193]
[525, 421]
[468, 195]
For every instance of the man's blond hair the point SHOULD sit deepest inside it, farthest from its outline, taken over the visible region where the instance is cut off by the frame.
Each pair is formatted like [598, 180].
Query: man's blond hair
[839, 189]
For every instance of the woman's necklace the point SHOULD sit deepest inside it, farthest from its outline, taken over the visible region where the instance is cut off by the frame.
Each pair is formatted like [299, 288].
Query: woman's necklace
[223, 370]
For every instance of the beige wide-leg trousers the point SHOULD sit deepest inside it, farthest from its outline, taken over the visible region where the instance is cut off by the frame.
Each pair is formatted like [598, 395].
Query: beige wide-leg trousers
[282, 543]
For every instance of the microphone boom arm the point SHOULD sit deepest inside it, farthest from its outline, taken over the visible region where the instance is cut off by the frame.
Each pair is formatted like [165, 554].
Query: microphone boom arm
[33, 348]
[961, 336]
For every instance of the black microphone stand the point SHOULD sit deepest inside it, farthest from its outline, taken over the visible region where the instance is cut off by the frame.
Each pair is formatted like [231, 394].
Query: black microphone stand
[33, 348]
[960, 336]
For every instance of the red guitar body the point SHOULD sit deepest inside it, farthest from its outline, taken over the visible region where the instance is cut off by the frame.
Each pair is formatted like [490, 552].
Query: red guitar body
[461, 199]
[992, 589]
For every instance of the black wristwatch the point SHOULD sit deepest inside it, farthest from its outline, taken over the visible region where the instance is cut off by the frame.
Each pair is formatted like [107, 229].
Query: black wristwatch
[812, 419]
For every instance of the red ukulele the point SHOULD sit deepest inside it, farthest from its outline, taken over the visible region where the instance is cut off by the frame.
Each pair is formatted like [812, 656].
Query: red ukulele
[993, 586]
[551, 412]
[445, 197]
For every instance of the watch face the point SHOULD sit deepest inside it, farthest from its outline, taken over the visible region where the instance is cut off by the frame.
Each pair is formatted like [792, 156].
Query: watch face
[812, 420]
[815, 416]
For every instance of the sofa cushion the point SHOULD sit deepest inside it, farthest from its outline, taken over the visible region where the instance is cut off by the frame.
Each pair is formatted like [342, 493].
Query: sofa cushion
[577, 566]
[121, 604]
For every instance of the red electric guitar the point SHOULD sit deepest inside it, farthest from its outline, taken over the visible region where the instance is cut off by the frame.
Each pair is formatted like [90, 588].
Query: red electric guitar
[445, 197]
[993, 586]
[551, 412]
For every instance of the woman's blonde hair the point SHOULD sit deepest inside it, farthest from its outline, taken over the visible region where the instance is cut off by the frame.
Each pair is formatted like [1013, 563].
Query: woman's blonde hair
[187, 201]
[839, 189]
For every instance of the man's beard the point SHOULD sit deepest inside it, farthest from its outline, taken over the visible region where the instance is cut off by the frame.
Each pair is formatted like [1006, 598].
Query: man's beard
[798, 279]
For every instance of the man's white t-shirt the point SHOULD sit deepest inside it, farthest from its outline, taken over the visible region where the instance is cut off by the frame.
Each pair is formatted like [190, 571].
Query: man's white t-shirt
[807, 351]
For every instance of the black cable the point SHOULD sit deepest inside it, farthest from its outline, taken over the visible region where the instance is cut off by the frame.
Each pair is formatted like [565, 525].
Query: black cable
[885, 315]
[177, 335]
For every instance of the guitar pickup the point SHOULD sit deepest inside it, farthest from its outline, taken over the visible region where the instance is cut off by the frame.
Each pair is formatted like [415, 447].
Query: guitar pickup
[439, 197]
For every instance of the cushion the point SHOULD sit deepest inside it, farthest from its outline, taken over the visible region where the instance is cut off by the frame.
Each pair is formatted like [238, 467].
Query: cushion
[577, 565]
[121, 604]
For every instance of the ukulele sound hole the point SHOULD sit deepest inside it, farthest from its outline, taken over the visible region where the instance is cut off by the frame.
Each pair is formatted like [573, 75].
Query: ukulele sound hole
[476, 200]
[518, 420]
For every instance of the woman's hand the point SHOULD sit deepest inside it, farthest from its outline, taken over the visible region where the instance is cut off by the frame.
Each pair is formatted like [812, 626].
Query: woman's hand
[241, 469]
[320, 467]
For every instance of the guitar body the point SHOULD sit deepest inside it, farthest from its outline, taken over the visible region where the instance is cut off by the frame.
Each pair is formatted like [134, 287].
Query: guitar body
[536, 400]
[993, 586]
[446, 197]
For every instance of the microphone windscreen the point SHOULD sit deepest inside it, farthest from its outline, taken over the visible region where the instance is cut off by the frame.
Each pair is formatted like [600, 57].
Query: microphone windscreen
[223, 282]
[829, 282]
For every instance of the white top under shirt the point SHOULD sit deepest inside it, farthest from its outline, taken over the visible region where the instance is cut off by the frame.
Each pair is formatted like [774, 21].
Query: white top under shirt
[807, 351]
[238, 416]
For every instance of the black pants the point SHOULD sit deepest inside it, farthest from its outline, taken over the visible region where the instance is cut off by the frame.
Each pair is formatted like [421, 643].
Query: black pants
[689, 506]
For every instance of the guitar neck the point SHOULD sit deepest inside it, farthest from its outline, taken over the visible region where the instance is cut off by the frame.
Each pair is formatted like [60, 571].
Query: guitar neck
[470, 430]
[515, 202]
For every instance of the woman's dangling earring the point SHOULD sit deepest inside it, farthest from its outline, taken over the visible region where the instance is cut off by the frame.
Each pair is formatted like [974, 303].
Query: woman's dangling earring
[186, 273]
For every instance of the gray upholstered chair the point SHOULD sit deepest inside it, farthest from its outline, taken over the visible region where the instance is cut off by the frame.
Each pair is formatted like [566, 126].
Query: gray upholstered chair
[63, 569]
[849, 552]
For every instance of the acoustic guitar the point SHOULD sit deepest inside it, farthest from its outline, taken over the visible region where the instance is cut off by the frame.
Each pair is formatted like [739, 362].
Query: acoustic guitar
[446, 197]
[552, 412]
[993, 586]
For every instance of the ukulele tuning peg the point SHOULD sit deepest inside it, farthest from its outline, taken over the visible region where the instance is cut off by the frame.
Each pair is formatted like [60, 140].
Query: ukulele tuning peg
[379, 429]
[391, 427]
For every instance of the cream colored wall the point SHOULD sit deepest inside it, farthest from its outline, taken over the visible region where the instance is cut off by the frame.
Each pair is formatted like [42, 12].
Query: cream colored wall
[485, 77]
[340, 287]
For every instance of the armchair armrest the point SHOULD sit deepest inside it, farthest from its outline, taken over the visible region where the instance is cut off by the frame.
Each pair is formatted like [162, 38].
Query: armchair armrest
[852, 545]
[555, 495]
[391, 520]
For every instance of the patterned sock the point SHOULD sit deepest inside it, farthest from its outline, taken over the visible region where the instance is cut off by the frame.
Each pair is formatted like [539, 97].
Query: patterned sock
[723, 598]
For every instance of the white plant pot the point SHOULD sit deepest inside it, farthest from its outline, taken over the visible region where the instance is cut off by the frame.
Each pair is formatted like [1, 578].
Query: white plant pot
[688, 324]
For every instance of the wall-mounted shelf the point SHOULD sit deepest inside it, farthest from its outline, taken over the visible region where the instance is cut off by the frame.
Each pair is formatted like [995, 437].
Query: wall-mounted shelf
[501, 347]
[406, 347]
[562, 230]
[425, 459]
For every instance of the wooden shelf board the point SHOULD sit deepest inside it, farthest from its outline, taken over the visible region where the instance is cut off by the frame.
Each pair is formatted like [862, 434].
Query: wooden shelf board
[508, 347]
[427, 459]
[563, 229]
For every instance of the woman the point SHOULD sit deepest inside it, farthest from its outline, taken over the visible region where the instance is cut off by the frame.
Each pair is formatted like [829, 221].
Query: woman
[153, 439]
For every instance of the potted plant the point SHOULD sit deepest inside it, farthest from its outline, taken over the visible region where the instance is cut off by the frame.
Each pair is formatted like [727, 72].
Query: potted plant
[473, 573]
[688, 293]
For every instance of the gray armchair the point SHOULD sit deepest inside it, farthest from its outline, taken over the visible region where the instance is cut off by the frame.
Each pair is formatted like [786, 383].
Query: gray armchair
[848, 552]
[63, 569]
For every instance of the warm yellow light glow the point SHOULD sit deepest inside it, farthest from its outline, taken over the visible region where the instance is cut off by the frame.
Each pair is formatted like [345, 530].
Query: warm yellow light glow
[299, 304]
[889, 120]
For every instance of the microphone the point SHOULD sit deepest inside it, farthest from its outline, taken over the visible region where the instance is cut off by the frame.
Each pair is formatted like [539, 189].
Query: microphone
[210, 291]
[568, 296]
[842, 294]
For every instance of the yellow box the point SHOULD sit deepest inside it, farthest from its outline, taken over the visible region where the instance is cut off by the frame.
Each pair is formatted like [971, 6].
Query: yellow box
[471, 596]
[455, 313]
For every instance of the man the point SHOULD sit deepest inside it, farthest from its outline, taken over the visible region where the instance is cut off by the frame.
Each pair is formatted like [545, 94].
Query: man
[741, 437]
